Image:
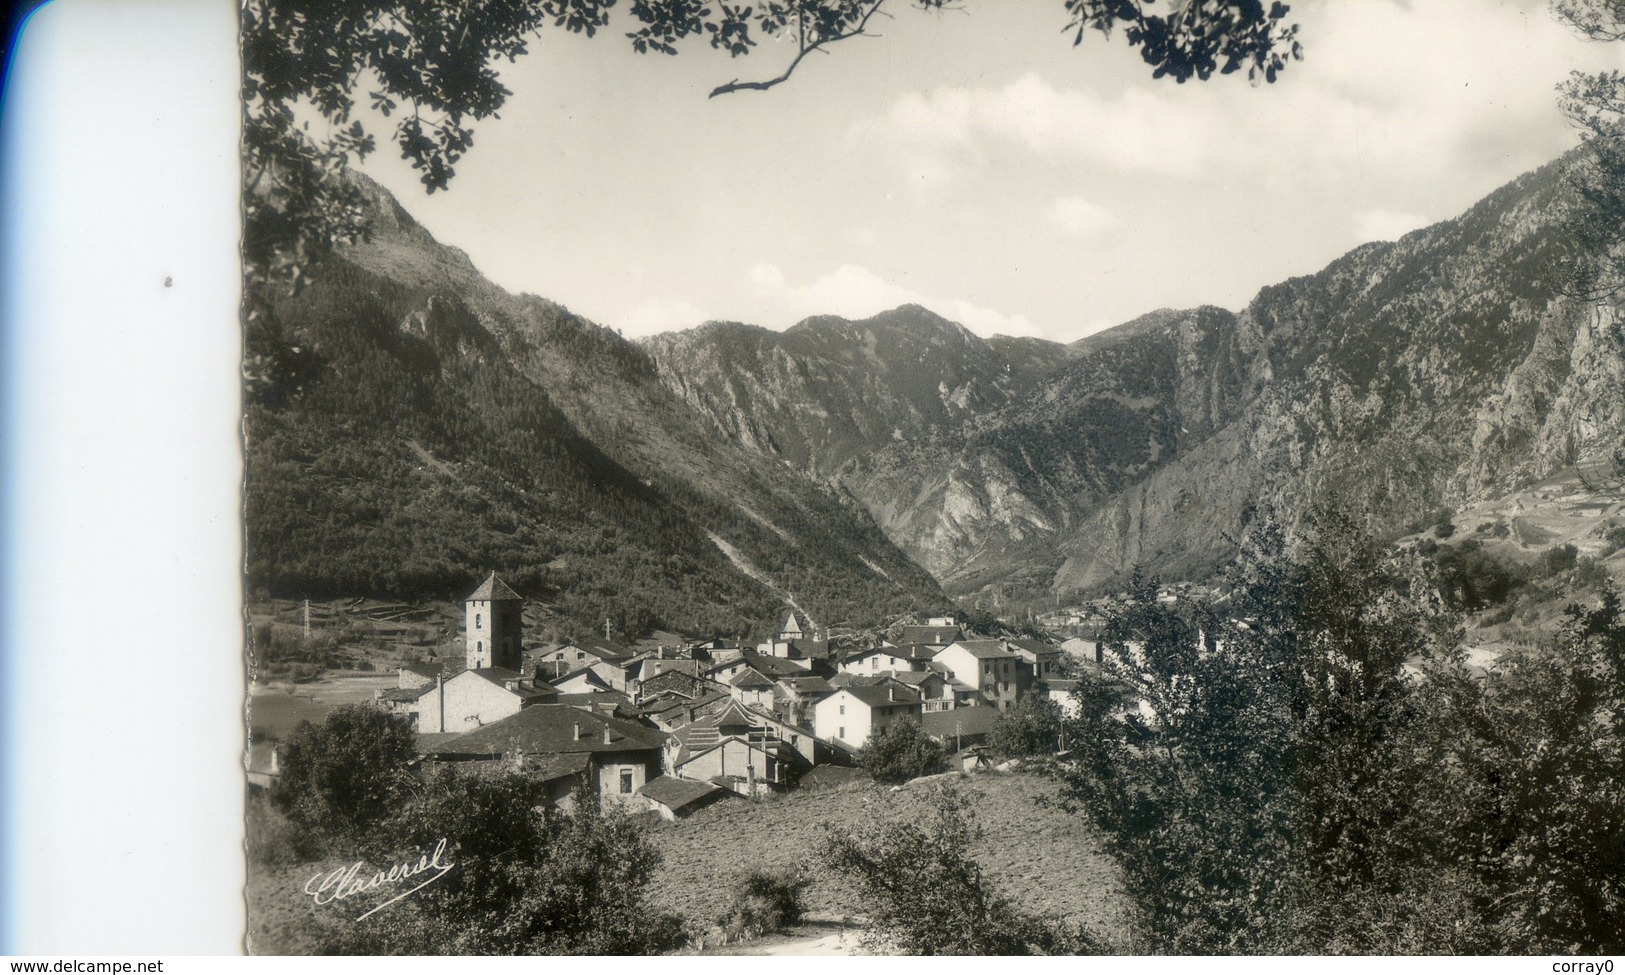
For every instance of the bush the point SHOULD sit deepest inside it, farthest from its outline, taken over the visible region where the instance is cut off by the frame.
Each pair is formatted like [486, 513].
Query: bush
[766, 901]
[345, 776]
[901, 752]
[1032, 727]
[529, 878]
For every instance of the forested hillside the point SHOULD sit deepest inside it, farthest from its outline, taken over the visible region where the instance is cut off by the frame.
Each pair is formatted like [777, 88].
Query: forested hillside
[410, 427]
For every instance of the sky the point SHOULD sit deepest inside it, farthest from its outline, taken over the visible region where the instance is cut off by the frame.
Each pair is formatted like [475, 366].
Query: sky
[976, 162]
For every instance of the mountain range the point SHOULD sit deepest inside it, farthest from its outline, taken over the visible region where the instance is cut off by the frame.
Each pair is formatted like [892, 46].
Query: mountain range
[410, 426]
[1406, 377]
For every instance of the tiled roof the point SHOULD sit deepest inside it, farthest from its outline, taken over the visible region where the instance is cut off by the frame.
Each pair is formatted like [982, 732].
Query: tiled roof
[882, 696]
[937, 635]
[674, 793]
[750, 678]
[914, 678]
[500, 677]
[768, 666]
[807, 685]
[550, 768]
[984, 649]
[430, 671]
[1037, 647]
[493, 589]
[965, 721]
[603, 649]
[583, 676]
[404, 693]
[551, 729]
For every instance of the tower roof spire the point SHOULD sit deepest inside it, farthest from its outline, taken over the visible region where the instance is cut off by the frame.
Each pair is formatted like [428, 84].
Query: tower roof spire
[493, 589]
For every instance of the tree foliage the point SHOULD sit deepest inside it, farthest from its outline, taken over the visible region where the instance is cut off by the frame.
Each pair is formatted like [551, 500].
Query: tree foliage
[529, 879]
[1309, 767]
[1595, 102]
[432, 67]
[1032, 727]
[902, 751]
[925, 894]
[345, 776]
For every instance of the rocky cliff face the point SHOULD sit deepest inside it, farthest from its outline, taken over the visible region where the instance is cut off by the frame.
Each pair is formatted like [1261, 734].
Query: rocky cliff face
[1431, 372]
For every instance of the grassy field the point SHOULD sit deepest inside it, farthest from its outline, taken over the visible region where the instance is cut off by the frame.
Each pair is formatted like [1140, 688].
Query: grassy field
[1045, 860]
[276, 709]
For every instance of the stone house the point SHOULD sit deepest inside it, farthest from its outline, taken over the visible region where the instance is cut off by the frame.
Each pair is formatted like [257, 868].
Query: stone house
[615, 756]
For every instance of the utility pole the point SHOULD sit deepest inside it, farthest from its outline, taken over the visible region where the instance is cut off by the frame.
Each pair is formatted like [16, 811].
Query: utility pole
[606, 627]
[307, 619]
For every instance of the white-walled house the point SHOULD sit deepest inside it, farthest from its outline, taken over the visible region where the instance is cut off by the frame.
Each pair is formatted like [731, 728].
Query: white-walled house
[475, 698]
[852, 714]
[990, 668]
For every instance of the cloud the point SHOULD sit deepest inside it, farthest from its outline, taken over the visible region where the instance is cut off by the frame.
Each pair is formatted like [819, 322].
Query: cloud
[1380, 224]
[1389, 95]
[1079, 218]
[852, 291]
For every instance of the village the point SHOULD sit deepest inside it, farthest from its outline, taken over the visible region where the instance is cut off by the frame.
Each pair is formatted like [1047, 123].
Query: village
[674, 729]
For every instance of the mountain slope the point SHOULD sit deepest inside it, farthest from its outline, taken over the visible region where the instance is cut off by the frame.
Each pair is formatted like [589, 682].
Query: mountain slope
[411, 426]
[1430, 372]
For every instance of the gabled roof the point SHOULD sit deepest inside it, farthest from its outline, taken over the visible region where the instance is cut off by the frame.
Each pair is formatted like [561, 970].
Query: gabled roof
[805, 685]
[674, 793]
[983, 649]
[547, 729]
[1036, 647]
[583, 676]
[404, 694]
[914, 678]
[493, 589]
[751, 678]
[882, 695]
[603, 649]
[764, 664]
[935, 635]
[430, 671]
[767, 749]
[500, 676]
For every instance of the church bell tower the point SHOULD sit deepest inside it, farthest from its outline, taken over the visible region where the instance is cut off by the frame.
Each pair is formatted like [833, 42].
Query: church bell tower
[492, 621]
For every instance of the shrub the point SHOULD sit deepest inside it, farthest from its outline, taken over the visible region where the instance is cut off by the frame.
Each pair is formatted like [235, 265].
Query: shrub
[1032, 727]
[346, 775]
[766, 901]
[529, 879]
[901, 752]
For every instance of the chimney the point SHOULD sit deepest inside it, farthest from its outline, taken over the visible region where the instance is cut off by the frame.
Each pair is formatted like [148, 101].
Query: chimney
[577, 736]
[606, 734]
[891, 693]
[1100, 652]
